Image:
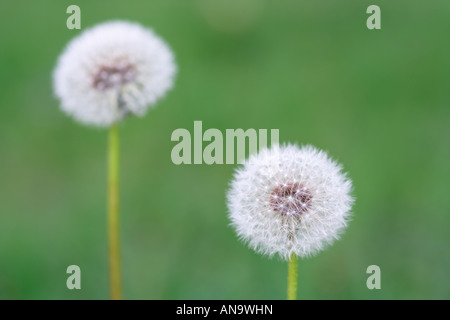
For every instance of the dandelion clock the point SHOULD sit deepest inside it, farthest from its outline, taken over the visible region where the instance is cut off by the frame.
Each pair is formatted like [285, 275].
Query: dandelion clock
[109, 72]
[291, 202]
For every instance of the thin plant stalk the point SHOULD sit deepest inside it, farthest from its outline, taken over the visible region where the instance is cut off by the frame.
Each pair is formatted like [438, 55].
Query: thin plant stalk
[292, 278]
[113, 214]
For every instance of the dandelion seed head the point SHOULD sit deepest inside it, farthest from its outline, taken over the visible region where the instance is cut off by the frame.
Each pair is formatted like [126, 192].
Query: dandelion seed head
[287, 200]
[113, 70]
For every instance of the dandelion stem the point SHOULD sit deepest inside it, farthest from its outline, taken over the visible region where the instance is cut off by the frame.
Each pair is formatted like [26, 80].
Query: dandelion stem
[292, 278]
[113, 213]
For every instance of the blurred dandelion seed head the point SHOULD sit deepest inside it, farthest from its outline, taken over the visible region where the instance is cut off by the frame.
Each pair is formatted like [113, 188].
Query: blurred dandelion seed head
[287, 200]
[112, 70]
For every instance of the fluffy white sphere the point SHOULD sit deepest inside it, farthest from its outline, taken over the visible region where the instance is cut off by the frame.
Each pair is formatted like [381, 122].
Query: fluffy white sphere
[112, 70]
[289, 200]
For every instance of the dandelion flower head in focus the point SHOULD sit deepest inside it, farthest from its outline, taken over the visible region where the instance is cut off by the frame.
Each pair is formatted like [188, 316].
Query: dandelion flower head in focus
[113, 70]
[289, 200]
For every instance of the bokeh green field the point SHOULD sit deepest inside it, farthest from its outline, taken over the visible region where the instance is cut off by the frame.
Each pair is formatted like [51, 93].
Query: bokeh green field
[378, 101]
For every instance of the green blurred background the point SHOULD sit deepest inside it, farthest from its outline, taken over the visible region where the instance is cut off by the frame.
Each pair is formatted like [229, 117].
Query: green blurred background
[378, 101]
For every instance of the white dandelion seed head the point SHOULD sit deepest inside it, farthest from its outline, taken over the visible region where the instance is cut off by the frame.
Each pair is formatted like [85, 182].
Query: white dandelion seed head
[112, 70]
[289, 200]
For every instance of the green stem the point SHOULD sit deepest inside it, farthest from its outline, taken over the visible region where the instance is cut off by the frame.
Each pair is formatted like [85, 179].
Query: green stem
[292, 278]
[113, 213]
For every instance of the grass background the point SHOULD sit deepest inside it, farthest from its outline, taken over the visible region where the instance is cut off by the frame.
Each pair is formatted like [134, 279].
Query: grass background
[378, 101]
